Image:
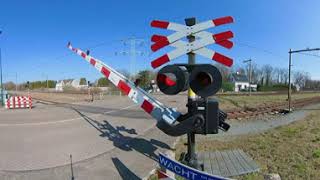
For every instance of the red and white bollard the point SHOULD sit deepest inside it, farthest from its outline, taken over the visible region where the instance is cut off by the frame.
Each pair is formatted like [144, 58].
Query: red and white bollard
[19, 102]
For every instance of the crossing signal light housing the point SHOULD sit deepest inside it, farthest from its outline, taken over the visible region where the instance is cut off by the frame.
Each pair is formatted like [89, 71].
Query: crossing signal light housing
[204, 79]
[173, 79]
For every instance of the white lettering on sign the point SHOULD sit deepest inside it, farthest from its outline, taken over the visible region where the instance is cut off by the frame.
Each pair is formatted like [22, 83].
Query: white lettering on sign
[185, 171]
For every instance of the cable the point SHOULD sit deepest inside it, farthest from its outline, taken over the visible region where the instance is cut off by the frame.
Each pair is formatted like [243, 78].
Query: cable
[308, 54]
[260, 49]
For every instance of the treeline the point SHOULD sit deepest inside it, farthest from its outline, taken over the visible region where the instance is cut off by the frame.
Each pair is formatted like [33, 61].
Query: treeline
[144, 77]
[271, 78]
[267, 78]
[32, 85]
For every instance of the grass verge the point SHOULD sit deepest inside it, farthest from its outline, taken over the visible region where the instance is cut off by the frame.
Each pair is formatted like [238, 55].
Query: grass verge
[293, 151]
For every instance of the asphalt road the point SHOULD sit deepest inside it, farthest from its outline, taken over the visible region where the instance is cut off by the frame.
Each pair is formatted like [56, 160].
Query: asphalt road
[110, 139]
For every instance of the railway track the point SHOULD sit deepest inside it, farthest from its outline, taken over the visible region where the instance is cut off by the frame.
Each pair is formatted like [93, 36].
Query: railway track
[270, 109]
[261, 110]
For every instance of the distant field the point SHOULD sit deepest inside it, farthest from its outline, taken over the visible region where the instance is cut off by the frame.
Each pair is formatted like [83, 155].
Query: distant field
[227, 102]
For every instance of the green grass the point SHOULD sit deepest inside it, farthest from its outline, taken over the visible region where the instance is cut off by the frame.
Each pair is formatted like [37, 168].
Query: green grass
[316, 153]
[293, 151]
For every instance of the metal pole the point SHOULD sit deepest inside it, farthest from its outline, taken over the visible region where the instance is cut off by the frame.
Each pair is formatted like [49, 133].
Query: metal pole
[71, 166]
[289, 84]
[191, 156]
[250, 76]
[133, 55]
[2, 101]
[16, 83]
[250, 73]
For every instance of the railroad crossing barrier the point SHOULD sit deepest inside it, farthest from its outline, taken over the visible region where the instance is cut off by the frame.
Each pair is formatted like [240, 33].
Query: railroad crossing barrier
[19, 102]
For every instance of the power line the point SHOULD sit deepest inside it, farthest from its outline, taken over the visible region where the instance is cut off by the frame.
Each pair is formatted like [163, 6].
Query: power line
[133, 42]
[260, 49]
[308, 54]
[289, 84]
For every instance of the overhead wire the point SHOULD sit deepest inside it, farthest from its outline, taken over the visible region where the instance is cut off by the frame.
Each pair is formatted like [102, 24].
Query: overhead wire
[308, 54]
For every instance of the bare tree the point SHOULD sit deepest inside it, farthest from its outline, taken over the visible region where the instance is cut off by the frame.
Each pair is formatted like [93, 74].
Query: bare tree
[300, 78]
[312, 84]
[267, 71]
[225, 72]
[9, 85]
[254, 73]
[276, 75]
[285, 76]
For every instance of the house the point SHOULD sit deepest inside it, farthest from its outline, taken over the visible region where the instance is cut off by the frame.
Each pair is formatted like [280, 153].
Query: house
[75, 83]
[241, 82]
[60, 85]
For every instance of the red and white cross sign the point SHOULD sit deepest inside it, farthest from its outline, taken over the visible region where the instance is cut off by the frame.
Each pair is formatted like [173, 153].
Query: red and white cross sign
[198, 46]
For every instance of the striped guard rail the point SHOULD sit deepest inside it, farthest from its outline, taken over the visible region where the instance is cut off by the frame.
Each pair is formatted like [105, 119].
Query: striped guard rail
[19, 102]
[149, 104]
[163, 176]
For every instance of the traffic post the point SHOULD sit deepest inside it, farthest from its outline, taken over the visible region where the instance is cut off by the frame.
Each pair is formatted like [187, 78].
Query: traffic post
[201, 80]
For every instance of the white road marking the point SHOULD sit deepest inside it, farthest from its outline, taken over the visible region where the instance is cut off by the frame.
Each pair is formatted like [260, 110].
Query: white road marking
[73, 119]
[66, 120]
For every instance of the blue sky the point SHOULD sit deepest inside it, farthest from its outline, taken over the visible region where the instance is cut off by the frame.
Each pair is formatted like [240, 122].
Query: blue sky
[35, 33]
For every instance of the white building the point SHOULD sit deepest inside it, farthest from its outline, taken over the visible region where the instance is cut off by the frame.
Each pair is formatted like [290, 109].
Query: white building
[60, 85]
[241, 83]
[75, 83]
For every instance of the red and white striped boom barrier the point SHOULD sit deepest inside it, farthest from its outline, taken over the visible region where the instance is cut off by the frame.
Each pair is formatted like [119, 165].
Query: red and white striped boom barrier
[198, 46]
[19, 102]
[149, 104]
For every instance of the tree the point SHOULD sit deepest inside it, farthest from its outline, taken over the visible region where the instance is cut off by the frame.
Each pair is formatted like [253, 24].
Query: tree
[83, 81]
[145, 77]
[267, 71]
[276, 75]
[254, 73]
[52, 83]
[225, 72]
[103, 82]
[9, 85]
[300, 78]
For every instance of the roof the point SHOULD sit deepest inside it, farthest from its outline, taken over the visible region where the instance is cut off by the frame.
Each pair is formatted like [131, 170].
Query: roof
[240, 77]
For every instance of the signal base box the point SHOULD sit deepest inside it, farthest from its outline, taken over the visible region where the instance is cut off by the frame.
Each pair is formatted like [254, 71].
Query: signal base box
[208, 110]
[212, 116]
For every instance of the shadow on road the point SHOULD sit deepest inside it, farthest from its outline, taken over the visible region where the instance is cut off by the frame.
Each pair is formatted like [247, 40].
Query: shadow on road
[126, 143]
[124, 172]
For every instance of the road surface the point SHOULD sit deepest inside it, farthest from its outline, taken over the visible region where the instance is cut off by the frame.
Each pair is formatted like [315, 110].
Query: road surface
[109, 139]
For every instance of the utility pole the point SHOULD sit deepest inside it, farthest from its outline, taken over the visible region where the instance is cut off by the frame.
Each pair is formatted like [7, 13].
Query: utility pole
[1, 83]
[289, 88]
[133, 52]
[16, 82]
[47, 81]
[250, 73]
[289, 85]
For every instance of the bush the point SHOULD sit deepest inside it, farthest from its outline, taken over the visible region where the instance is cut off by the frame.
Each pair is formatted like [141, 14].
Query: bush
[227, 86]
[275, 87]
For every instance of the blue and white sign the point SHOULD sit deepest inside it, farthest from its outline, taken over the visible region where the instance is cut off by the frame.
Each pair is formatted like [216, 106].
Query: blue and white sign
[185, 171]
